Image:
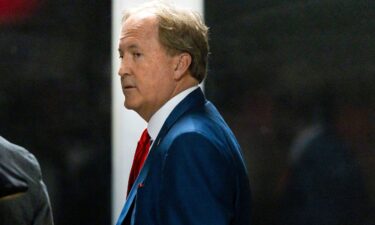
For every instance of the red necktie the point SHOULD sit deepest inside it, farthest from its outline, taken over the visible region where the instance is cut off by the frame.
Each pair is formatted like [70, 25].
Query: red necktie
[139, 158]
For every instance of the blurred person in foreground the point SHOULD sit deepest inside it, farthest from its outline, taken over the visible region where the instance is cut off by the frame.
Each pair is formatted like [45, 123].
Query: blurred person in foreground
[24, 199]
[188, 167]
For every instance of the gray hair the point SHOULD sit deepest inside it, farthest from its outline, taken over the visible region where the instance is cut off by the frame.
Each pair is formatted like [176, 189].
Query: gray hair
[180, 30]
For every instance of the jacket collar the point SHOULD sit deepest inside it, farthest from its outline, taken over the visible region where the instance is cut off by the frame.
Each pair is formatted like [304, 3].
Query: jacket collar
[193, 100]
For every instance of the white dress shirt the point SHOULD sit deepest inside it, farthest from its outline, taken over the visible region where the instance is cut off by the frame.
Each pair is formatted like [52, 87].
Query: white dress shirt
[157, 120]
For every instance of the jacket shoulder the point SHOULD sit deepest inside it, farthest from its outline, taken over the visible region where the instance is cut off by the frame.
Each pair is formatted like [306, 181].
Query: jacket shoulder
[13, 154]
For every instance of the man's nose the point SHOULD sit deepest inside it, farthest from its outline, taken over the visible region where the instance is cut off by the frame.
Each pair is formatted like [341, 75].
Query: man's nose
[124, 68]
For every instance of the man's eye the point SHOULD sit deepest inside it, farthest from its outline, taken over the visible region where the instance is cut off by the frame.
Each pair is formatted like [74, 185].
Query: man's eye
[121, 56]
[137, 54]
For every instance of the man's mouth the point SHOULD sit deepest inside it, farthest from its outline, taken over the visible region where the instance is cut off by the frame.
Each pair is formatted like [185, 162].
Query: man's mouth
[128, 86]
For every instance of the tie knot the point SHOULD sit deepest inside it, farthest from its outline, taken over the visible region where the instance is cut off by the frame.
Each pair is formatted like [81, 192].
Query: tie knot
[145, 138]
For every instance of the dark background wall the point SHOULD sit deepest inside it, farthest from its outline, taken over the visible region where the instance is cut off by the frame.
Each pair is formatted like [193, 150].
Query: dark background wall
[295, 80]
[55, 99]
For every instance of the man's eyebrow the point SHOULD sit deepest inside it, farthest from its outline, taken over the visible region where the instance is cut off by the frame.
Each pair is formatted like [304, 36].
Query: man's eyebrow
[130, 47]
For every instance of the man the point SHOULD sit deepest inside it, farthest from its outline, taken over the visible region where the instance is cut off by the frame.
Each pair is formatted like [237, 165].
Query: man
[24, 199]
[194, 172]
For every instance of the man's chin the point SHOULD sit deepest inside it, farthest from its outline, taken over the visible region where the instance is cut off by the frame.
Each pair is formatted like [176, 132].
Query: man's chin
[128, 105]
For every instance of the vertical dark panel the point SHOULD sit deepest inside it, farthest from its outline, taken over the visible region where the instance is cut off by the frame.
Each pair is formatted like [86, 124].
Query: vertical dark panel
[55, 100]
[295, 80]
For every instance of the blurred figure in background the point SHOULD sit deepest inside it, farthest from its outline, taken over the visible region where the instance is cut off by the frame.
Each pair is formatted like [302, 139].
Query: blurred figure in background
[27, 202]
[324, 182]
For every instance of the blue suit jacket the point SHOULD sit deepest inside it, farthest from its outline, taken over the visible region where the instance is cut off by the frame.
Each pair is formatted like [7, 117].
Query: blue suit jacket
[194, 174]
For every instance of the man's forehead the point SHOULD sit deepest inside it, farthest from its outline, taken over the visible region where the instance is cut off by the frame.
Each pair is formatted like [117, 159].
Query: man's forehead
[144, 22]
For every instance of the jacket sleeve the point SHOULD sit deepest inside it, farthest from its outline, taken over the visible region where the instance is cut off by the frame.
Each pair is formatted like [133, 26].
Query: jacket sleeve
[198, 183]
[42, 205]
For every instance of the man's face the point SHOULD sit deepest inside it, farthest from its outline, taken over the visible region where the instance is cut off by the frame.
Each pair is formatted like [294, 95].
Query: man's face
[146, 70]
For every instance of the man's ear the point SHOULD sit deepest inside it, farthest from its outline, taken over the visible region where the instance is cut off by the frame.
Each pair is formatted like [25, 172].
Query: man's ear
[182, 64]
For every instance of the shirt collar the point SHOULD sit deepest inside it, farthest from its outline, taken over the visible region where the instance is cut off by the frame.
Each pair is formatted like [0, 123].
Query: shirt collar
[157, 120]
